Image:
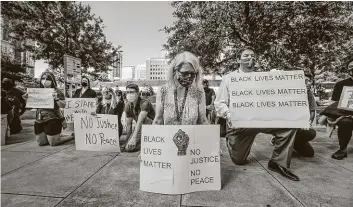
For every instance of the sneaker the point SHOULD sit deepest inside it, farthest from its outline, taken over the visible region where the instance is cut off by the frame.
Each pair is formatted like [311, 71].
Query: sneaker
[339, 154]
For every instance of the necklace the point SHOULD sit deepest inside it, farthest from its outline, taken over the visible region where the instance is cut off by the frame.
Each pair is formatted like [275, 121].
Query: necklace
[179, 114]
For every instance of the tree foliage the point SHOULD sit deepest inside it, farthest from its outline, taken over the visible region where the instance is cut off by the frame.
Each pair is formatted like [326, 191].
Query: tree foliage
[60, 28]
[311, 35]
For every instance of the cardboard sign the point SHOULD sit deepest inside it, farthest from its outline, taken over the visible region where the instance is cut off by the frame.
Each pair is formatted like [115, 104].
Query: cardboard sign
[97, 133]
[179, 159]
[275, 99]
[78, 105]
[346, 100]
[40, 98]
[3, 128]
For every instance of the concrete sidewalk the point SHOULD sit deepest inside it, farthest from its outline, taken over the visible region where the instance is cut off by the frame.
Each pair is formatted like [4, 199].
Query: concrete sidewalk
[62, 176]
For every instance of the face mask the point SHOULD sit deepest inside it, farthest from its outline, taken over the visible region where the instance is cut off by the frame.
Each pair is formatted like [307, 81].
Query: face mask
[185, 81]
[84, 84]
[130, 97]
[249, 62]
[46, 83]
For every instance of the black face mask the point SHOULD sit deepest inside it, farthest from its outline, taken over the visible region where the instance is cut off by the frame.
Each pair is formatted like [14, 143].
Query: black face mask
[185, 81]
[84, 84]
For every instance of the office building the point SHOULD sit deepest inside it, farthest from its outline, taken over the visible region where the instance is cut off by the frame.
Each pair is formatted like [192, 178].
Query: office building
[140, 72]
[128, 72]
[117, 67]
[156, 68]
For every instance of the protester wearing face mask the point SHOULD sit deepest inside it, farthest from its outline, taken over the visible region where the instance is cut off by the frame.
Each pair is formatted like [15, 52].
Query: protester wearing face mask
[140, 110]
[240, 140]
[85, 91]
[49, 122]
[111, 105]
[182, 100]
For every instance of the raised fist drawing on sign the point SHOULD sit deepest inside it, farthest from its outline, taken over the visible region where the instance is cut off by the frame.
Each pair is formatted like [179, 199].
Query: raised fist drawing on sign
[181, 140]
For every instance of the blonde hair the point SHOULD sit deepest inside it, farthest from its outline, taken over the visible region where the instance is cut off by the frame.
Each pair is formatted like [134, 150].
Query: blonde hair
[178, 61]
[110, 91]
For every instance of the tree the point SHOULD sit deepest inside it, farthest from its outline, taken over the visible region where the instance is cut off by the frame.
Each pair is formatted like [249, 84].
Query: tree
[308, 35]
[61, 28]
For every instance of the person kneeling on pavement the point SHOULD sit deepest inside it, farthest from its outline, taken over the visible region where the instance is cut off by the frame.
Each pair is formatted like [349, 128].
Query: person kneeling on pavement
[302, 146]
[240, 140]
[140, 110]
[50, 122]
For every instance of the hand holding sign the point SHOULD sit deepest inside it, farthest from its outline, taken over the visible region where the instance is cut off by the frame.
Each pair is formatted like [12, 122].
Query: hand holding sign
[346, 100]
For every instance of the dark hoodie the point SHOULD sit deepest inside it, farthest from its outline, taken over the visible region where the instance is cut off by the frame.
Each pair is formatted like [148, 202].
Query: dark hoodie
[89, 93]
[44, 115]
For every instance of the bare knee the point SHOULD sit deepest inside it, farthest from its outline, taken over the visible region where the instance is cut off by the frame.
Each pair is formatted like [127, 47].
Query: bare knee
[41, 139]
[54, 140]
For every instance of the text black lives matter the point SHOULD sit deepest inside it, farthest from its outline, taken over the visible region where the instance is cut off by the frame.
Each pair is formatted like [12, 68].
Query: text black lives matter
[156, 152]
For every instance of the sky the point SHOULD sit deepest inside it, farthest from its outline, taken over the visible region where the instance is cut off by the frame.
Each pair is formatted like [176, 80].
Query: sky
[134, 26]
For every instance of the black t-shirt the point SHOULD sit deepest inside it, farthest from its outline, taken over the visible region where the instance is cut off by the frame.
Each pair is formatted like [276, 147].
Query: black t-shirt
[141, 105]
[337, 90]
[209, 92]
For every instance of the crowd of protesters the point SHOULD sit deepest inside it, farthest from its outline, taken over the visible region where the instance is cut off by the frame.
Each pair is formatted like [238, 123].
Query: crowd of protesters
[186, 99]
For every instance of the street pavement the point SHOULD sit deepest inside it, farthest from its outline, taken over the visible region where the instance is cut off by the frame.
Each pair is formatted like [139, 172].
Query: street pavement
[61, 176]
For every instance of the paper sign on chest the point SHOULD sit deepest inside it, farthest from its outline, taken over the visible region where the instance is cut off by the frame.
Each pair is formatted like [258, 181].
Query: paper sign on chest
[179, 159]
[96, 133]
[346, 100]
[78, 105]
[40, 98]
[275, 99]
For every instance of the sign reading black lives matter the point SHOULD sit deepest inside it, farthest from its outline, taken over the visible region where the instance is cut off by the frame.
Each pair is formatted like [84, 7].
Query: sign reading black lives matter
[346, 100]
[96, 133]
[276, 99]
[179, 159]
[78, 105]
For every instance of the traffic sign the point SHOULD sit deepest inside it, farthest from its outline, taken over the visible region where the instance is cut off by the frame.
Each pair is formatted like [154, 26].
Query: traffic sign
[72, 65]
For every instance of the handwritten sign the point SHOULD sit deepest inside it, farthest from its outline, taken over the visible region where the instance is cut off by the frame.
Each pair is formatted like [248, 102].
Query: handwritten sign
[40, 98]
[3, 128]
[275, 99]
[346, 100]
[96, 133]
[180, 159]
[78, 105]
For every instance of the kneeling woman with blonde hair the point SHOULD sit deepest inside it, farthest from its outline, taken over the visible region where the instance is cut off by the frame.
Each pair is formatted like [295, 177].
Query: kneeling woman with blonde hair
[181, 101]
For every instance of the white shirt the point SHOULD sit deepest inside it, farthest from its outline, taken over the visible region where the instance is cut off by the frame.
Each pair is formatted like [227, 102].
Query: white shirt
[221, 102]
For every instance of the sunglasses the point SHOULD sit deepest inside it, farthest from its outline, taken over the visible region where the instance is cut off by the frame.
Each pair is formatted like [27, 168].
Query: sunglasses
[185, 74]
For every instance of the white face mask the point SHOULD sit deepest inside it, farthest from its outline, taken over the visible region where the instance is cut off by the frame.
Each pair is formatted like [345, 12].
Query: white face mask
[46, 83]
[130, 97]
